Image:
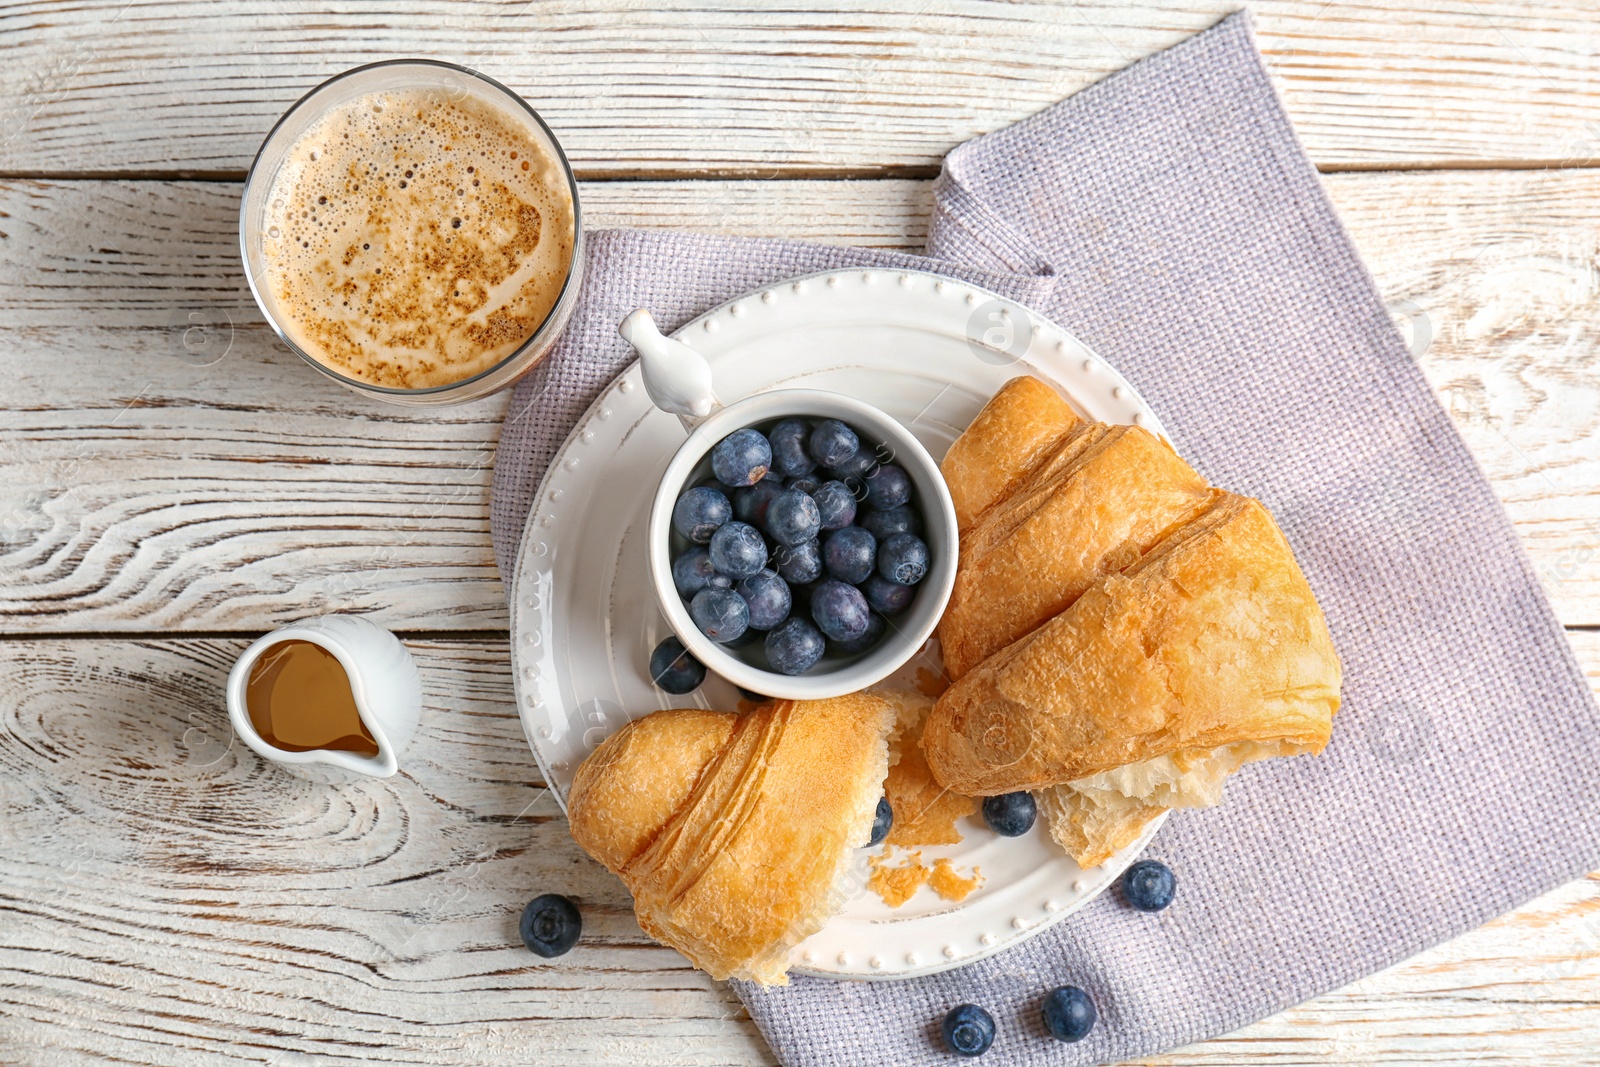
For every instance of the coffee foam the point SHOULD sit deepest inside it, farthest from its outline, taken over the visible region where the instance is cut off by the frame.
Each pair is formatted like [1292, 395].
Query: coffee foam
[416, 238]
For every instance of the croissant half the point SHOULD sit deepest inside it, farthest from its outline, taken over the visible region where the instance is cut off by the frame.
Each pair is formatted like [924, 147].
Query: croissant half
[1122, 637]
[733, 832]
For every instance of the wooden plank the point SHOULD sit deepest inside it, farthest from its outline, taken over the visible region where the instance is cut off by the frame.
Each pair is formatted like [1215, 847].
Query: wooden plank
[173, 431]
[146, 253]
[168, 897]
[734, 88]
[144, 491]
[1492, 277]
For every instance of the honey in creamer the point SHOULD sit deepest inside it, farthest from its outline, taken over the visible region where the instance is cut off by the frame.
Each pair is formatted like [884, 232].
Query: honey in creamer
[299, 699]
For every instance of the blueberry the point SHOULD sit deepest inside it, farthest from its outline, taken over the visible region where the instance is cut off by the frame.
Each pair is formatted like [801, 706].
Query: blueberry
[832, 442]
[699, 512]
[903, 559]
[881, 822]
[737, 550]
[741, 458]
[753, 696]
[794, 647]
[551, 925]
[1010, 814]
[887, 487]
[1068, 1013]
[968, 1030]
[692, 572]
[854, 469]
[806, 483]
[751, 502]
[836, 504]
[674, 670]
[721, 614]
[885, 524]
[891, 598]
[768, 598]
[839, 610]
[799, 563]
[792, 518]
[848, 554]
[1148, 885]
[788, 440]
[869, 637]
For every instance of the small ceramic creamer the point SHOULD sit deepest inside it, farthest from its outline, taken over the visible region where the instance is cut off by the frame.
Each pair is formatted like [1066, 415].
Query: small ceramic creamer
[346, 694]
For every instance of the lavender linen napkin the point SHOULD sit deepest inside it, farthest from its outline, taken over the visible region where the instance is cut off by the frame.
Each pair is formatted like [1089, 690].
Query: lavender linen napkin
[1169, 218]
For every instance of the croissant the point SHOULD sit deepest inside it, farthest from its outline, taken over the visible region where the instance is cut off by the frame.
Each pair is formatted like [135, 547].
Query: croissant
[733, 832]
[1122, 637]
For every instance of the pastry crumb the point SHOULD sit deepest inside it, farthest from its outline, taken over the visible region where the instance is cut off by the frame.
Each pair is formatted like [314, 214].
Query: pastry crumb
[896, 885]
[946, 880]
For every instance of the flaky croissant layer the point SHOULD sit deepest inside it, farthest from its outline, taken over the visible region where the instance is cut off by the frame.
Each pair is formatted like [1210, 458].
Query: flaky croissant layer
[1212, 637]
[733, 832]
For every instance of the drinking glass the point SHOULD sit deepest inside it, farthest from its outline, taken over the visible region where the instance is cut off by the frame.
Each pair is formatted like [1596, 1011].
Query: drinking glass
[399, 75]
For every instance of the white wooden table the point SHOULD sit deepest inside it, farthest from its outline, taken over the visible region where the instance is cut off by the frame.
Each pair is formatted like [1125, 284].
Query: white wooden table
[173, 482]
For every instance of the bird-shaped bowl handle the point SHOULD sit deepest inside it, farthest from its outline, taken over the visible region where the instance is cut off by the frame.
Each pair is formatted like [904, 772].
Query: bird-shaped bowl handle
[677, 377]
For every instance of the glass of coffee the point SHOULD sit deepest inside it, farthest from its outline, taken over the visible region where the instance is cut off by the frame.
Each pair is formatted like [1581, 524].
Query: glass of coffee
[411, 229]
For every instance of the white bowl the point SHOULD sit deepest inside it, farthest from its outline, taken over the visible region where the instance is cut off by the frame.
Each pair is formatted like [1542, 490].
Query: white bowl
[835, 675]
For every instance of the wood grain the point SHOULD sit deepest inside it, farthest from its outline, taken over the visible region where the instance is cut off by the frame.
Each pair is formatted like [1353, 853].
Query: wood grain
[168, 897]
[147, 491]
[736, 88]
[1492, 276]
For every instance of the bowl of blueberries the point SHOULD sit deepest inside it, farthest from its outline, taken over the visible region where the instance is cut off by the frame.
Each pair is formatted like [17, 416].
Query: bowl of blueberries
[802, 545]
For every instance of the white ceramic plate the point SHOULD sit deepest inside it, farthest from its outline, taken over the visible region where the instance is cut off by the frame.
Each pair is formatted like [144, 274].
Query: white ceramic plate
[929, 351]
